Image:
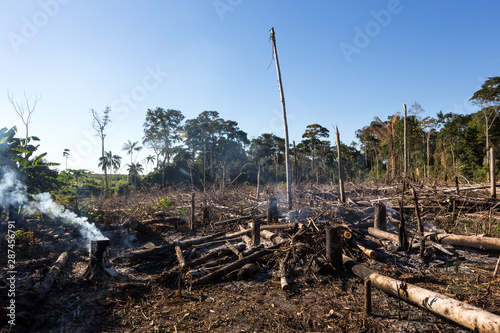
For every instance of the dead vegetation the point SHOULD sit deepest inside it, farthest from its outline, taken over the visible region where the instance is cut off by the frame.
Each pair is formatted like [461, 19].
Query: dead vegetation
[215, 278]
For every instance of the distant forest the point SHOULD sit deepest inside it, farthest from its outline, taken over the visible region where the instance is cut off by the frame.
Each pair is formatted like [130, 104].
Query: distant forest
[209, 151]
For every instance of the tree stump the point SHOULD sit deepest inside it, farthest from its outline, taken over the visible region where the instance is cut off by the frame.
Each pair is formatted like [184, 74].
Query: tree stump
[380, 217]
[98, 259]
[272, 211]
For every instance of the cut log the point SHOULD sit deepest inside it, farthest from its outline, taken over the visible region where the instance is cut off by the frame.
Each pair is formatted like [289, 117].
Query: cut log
[239, 219]
[367, 252]
[42, 288]
[180, 257]
[232, 266]
[234, 249]
[283, 275]
[475, 242]
[272, 236]
[387, 235]
[459, 312]
[175, 220]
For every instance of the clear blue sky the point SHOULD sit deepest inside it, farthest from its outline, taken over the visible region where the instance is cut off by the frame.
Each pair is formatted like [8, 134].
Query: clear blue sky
[342, 62]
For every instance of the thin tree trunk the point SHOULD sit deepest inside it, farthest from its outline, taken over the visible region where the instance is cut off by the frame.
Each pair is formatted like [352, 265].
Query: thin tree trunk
[341, 172]
[287, 145]
[405, 147]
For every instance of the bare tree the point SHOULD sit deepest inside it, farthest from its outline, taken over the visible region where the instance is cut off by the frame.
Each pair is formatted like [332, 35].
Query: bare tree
[25, 109]
[99, 125]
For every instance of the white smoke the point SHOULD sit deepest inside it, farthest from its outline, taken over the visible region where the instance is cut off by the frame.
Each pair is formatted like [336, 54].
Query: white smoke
[44, 204]
[13, 192]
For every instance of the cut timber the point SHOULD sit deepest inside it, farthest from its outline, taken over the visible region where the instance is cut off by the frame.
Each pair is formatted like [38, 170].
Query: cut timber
[283, 278]
[42, 288]
[232, 266]
[387, 235]
[239, 219]
[474, 242]
[180, 257]
[271, 236]
[367, 252]
[459, 312]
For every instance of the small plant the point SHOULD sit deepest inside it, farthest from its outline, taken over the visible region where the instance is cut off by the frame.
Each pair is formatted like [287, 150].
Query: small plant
[182, 211]
[164, 204]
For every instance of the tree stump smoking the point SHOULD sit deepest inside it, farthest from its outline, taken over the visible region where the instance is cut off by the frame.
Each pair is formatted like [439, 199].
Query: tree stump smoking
[272, 211]
[334, 247]
[380, 217]
[98, 259]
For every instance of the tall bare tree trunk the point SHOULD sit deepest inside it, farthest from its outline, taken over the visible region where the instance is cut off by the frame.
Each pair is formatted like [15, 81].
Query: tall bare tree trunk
[405, 153]
[287, 145]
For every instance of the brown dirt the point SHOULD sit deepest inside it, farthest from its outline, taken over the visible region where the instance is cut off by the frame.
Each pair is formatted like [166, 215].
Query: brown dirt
[320, 299]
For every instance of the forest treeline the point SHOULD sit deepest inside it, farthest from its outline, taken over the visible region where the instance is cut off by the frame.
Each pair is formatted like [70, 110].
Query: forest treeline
[209, 150]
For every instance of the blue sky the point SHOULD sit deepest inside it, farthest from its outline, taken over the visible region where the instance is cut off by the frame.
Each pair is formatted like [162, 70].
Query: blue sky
[342, 62]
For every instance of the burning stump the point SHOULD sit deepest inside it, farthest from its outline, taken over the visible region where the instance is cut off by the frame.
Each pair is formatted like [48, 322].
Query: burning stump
[99, 265]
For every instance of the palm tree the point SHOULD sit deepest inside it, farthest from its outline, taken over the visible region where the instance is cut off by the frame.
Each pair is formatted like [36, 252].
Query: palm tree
[129, 147]
[133, 170]
[66, 156]
[109, 161]
[150, 159]
[386, 133]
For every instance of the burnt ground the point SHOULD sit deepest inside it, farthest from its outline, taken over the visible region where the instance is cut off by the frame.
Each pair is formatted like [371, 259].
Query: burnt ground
[320, 299]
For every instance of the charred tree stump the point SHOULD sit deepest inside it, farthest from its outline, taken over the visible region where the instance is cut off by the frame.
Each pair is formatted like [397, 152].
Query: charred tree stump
[380, 217]
[256, 233]
[272, 211]
[403, 242]
[420, 228]
[456, 185]
[98, 255]
[493, 189]
[368, 297]
[334, 247]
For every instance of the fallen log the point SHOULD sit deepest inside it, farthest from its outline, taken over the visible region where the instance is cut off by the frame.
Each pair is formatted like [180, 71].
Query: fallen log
[367, 252]
[174, 219]
[232, 266]
[239, 219]
[180, 257]
[42, 288]
[459, 312]
[475, 242]
[387, 235]
[272, 236]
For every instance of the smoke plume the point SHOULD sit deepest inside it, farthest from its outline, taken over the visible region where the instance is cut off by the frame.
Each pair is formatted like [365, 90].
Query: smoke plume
[14, 192]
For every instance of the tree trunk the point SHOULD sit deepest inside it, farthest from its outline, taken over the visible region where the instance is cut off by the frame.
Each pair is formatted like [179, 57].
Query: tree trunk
[405, 147]
[459, 312]
[475, 242]
[340, 166]
[287, 144]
